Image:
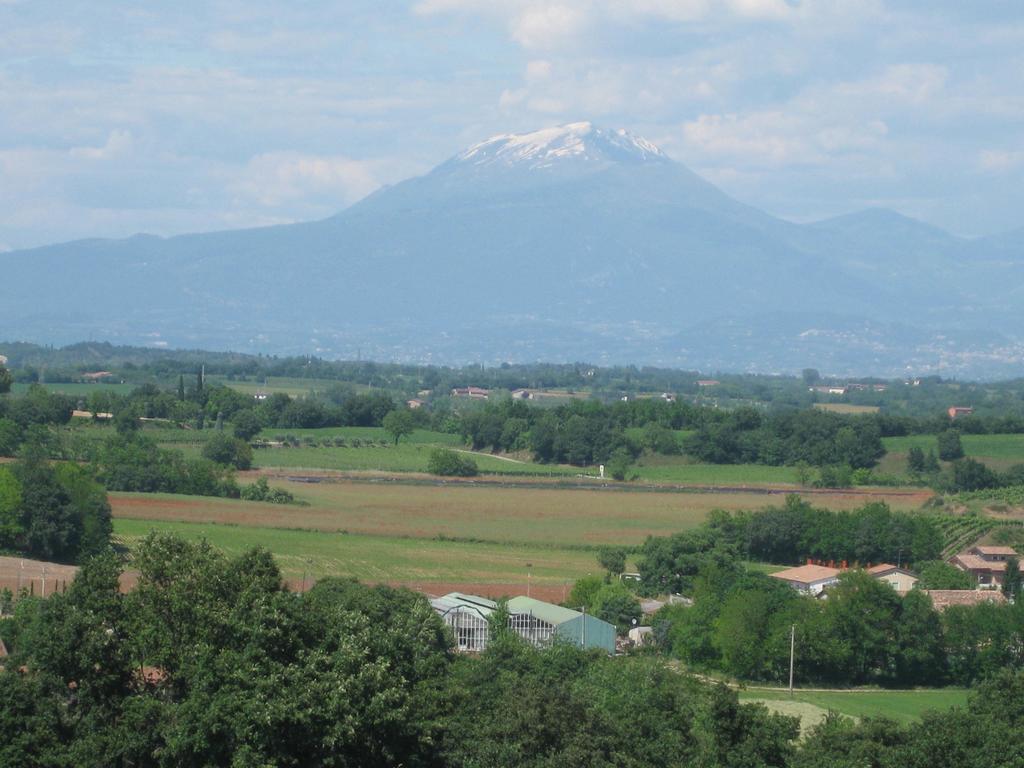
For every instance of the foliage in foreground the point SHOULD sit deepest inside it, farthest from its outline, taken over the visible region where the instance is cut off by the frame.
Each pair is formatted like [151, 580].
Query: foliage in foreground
[211, 662]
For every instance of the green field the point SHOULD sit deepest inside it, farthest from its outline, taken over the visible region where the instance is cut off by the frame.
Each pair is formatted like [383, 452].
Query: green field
[998, 450]
[291, 386]
[81, 389]
[380, 558]
[418, 437]
[902, 706]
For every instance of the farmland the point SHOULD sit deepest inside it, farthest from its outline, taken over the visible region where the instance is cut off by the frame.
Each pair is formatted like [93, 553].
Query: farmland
[480, 512]
[423, 563]
[811, 706]
[998, 451]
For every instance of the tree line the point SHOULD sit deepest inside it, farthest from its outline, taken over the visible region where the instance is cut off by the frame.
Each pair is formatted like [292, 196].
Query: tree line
[211, 661]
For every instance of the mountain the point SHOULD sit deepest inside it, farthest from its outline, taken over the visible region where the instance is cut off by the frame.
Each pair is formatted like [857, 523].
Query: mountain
[575, 242]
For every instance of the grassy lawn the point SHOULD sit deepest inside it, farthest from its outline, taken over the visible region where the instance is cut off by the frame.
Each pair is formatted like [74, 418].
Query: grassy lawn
[903, 706]
[380, 558]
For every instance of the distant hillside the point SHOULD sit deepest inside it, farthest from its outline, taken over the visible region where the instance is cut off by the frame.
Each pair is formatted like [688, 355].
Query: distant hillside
[568, 243]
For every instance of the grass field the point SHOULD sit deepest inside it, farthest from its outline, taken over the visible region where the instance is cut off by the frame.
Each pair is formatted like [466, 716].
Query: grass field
[486, 512]
[416, 562]
[998, 450]
[81, 389]
[418, 437]
[902, 706]
[847, 408]
[291, 386]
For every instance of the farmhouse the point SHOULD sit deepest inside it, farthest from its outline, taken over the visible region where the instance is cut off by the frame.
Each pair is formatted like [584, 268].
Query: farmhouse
[898, 578]
[987, 564]
[522, 394]
[414, 403]
[476, 393]
[956, 411]
[830, 389]
[708, 383]
[946, 598]
[811, 579]
[535, 621]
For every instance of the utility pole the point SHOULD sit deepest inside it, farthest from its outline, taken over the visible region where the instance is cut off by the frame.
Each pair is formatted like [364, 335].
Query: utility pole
[583, 640]
[792, 648]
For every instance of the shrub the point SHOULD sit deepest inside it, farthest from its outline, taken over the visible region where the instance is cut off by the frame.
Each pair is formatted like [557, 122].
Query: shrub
[227, 450]
[448, 463]
[261, 491]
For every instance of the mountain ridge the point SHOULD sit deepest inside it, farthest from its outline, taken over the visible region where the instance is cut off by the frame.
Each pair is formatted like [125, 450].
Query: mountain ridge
[537, 242]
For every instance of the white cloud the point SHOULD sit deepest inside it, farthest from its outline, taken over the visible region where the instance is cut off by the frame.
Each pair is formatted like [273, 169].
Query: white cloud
[274, 178]
[119, 143]
[999, 160]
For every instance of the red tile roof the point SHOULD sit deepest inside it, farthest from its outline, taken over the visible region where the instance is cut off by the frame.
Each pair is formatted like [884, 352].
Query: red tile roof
[990, 550]
[977, 563]
[807, 574]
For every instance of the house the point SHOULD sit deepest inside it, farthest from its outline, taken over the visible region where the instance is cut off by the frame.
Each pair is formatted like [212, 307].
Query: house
[829, 389]
[957, 411]
[668, 397]
[947, 598]
[987, 564]
[96, 375]
[898, 578]
[708, 383]
[812, 579]
[477, 393]
[522, 394]
[414, 403]
[260, 395]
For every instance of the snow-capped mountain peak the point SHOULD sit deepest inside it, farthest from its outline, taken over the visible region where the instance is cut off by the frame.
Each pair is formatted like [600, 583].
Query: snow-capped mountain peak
[578, 141]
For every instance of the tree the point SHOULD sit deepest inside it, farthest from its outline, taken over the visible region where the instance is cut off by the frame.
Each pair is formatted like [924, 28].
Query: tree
[915, 459]
[181, 387]
[5, 380]
[971, 475]
[10, 504]
[1011, 578]
[810, 376]
[612, 559]
[224, 449]
[246, 425]
[398, 423]
[936, 574]
[950, 447]
[615, 604]
[448, 463]
[931, 463]
[619, 464]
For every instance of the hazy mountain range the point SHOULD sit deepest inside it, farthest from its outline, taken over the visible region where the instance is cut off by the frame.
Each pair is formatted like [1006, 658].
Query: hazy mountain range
[571, 243]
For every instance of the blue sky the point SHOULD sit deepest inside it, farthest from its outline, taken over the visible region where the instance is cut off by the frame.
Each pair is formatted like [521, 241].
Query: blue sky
[117, 118]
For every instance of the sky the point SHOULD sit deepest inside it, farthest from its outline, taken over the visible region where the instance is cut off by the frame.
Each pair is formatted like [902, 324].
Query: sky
[118, 118]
